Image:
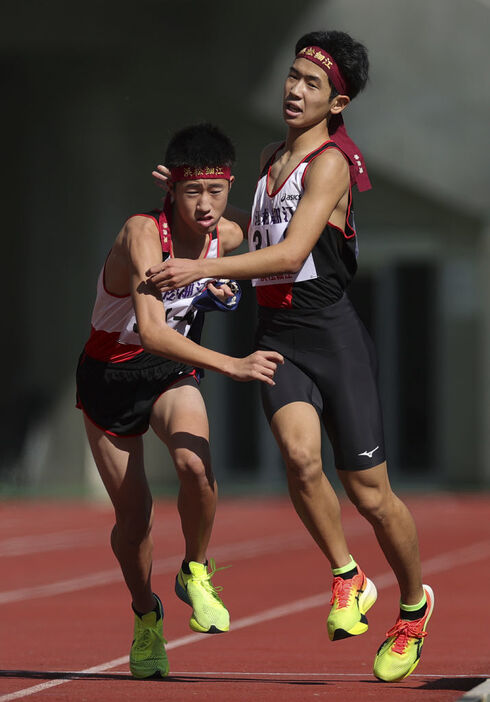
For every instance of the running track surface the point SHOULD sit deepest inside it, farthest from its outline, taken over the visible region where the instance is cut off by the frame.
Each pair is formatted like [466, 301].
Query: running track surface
[66, 624]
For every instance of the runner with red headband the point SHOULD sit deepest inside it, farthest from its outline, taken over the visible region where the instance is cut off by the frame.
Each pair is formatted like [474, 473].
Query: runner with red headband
[141, 367]
[303, 255]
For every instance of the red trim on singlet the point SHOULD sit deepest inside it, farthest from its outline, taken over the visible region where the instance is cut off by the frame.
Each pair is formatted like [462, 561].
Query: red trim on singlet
[319, 149]
[145, 214]
[101, 345]
[218, 246]
[274, 192]
[166, 245]
[349, 205]
[165, 215]
[346, 236]
[281, 295]
[149, 216]
[209, 242]
[277, 296]
[104, 285]
[347, 215]
[105, 346]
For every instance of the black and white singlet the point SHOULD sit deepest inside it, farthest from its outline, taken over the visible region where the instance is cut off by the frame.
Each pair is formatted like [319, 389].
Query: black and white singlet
[332, 263]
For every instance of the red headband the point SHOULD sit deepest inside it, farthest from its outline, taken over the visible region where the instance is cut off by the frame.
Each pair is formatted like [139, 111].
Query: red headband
[192, 173]
[325, 61]
[336, 126]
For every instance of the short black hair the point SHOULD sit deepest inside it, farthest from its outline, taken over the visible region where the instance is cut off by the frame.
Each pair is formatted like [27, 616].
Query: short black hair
[350, 55]
[199, 145]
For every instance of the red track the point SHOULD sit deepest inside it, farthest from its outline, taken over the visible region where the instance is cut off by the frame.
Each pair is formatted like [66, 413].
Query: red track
[66, 623]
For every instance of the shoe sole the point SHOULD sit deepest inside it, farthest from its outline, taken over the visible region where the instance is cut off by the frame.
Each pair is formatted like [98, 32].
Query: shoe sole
[366, 600]
[157, 673]
[430, 591]
[181, 593]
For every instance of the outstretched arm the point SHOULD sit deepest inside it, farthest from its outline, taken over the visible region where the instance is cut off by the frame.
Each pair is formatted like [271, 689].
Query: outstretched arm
[327, 180]
[142, 245]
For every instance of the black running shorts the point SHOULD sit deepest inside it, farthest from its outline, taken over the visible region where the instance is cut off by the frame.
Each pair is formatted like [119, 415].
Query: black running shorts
[118, 397]
[330, 363]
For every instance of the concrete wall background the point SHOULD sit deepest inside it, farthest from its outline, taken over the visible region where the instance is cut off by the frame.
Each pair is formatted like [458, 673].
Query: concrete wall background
[92, 93]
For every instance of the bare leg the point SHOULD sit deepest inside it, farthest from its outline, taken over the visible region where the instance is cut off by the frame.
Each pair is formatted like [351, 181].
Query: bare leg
[296, 427]
[179, 419]
[120, 464]
[393, 525]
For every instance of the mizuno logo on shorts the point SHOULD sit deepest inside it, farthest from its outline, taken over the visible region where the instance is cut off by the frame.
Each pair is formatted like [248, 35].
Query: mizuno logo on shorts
[368, 453]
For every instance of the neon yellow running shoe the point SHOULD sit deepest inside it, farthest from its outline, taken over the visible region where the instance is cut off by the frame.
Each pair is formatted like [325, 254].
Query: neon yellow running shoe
[209, 615]
[148, 655]
[350, 601]
[399, 655]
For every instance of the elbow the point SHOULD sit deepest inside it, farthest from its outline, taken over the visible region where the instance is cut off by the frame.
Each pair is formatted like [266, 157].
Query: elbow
[149, 340]
[293, 264]
[148, 345]
[292, 258]
[297, 265]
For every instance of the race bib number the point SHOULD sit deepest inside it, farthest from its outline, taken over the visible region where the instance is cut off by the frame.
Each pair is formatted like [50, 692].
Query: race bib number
[261, 236]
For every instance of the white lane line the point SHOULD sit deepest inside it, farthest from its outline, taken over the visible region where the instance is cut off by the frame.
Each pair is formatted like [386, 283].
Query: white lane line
[246, 549]
[383, 580]
[29, 544]
[274, 673]
[40, 543]
[62, 541]
[297, 540]
[80, 538]
[85, 538]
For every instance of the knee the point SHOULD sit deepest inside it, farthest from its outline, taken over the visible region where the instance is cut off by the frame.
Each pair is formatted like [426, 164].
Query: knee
[303, 465]
[134, 525]
[193, 469]
[375, 505]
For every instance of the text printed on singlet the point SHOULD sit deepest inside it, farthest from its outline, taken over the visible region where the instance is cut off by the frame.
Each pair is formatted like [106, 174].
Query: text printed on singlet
[270, 219]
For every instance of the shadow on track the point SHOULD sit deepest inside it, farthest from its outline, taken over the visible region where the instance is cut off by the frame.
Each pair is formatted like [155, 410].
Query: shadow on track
[448, 683]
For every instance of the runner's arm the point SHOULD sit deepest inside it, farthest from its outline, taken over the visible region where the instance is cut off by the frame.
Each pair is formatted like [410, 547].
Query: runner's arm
[143, 246]
[326, 181]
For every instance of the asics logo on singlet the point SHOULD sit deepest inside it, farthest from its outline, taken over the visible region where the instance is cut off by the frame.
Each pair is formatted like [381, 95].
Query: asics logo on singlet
[369, 454]
[290, 197]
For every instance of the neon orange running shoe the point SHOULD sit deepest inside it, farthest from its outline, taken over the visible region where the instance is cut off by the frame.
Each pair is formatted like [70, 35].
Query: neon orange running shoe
[399, 655]
[350, 601]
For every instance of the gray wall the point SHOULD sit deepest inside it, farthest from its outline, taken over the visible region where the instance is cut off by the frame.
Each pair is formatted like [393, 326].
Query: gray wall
[92, 93]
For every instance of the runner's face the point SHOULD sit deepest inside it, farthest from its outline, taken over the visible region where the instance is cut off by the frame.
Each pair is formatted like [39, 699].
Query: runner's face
[306, 95]
[201, 203]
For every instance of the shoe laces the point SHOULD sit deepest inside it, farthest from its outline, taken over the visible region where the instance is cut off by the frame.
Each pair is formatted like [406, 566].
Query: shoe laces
[146, 635]
[205, 579]
[144, 638]
[341, 591]
[403, 631]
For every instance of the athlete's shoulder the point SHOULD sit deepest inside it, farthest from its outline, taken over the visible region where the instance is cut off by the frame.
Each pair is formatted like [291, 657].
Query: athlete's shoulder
[139, 225]
[330, 165]
[267, 152]
[139, 234]
[230, 235]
